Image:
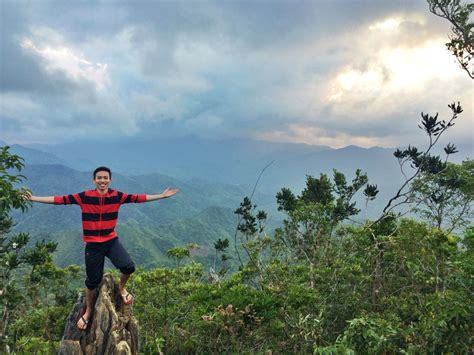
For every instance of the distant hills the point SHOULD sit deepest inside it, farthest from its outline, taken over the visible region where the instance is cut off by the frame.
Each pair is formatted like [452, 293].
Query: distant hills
[213, 177]
[34, 156]
[201, 213]
[236, 161]
[231, 161]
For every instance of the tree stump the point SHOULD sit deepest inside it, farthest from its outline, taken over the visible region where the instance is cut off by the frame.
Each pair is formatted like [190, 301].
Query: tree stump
[111, 330]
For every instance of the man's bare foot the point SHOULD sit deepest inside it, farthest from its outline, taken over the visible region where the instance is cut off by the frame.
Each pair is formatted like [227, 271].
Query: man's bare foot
[126, 297]
[83, 320]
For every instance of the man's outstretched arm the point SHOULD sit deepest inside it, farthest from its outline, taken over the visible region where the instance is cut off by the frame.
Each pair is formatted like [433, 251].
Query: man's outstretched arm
[42, 199]
[74, 199]
[165, 194]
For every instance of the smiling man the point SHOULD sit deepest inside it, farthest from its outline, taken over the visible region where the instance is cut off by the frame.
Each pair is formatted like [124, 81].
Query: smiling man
[100, 209]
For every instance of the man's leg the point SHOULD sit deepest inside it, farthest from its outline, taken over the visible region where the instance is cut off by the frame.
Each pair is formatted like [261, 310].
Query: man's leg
[121, 260]
[94, 255]
[123, 281]
[90, 295]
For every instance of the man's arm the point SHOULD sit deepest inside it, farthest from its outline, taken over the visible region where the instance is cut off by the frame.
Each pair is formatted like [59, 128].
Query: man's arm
[41, 199]
[165, 194]
[55, 200]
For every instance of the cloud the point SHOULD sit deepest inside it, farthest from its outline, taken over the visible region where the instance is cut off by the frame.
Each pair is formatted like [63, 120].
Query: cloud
[320, 136]
[72, 65]
[376, 91]
[340, 71]
[391, 76]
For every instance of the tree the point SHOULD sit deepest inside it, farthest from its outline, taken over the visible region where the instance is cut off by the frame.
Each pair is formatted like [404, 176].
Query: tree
[251, 225]
[462, 38]
[11, 249]
[181, 252]
[35, 295]
[445, 200]
[415, 163]
[221, 246]
[314, 215]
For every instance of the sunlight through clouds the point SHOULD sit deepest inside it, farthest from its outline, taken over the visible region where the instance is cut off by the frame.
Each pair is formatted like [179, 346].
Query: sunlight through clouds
[392, 72]
[394, 23]
[414, 66]
[387, 24]
[74, 65]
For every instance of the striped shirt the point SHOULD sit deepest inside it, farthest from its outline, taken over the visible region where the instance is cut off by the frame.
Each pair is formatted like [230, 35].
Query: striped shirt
[99, 212]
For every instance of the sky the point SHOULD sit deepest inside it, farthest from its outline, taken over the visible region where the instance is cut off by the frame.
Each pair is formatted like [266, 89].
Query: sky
[336, 73]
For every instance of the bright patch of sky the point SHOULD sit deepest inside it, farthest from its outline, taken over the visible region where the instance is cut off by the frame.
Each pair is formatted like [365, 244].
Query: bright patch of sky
[75, 66]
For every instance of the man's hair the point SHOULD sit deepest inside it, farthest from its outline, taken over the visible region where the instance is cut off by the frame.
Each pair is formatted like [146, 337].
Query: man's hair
[102, 168]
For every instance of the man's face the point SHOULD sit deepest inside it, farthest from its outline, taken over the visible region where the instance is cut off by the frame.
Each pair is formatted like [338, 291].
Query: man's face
[102, 180]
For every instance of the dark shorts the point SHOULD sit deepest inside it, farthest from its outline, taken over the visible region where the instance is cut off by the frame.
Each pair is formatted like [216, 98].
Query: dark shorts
[95, 254]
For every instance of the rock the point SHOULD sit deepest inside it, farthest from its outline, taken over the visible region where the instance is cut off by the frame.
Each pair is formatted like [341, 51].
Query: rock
[112, 329]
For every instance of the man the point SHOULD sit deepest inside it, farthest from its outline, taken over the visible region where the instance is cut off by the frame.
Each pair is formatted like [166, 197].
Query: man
[99, 217]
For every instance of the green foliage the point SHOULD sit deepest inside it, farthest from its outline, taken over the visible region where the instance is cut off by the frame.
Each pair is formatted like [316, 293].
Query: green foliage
[35, 296]
[314, 215]
[179, 253]
[160, 305]
[323, 204]
[423, 303]
[461, 42]
[445, 199]
[422, 163]
[34, 345]
[317, 286]
[221, 246]
[373, 334]
[10, 196]
[250, 225]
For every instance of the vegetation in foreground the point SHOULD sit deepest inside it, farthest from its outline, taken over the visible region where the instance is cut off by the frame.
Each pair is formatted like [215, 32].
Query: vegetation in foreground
[316, 285]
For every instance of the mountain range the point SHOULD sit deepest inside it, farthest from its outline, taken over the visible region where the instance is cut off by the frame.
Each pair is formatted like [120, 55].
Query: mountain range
[213, 177]
[200, 213]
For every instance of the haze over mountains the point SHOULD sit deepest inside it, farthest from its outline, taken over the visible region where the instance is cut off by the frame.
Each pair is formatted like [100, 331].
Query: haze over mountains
[234, 161]
[213, 177]
[149, 230]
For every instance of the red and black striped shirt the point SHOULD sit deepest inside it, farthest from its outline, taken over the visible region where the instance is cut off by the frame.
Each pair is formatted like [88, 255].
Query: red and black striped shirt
[99, 212]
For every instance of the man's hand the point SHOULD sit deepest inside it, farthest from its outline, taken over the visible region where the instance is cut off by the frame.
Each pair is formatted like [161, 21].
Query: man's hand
[41, 199]
[27, 195]
[168, 192]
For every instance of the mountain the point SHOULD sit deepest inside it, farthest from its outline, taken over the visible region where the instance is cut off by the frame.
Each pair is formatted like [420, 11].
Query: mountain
[33, 156]
[200, 213]
[230, 162]
[234, 161]
[213, 177]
